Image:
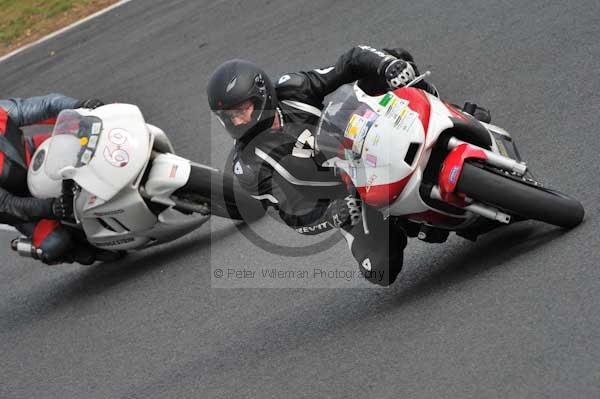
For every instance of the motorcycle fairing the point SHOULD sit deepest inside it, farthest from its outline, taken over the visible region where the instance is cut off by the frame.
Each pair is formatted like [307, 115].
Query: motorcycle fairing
[379, 165]
[121, 151]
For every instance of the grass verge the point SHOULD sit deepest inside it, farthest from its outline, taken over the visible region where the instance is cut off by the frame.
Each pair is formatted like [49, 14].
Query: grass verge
[24, 21]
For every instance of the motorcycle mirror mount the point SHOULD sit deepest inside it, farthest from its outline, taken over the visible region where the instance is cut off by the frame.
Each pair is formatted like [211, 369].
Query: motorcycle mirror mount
[68, 172]
[418, 79]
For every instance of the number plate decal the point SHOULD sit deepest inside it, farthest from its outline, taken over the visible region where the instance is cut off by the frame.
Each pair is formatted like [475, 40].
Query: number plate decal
[116, 151]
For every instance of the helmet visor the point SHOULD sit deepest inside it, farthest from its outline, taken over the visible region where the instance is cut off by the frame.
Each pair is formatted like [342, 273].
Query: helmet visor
[246, 113]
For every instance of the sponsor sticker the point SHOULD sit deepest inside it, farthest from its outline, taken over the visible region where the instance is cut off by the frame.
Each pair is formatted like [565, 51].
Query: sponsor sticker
[86, 156]
[114, 242]
[364, 130]
[96, 128]
[371, 160]
[312, 229]
[375, 139]
[357, 146]
[397, 110]
[392, 110]
[173, 171]
[454, 174]
[386, 99]
[357, 130]
[355, 124]
[93, 141]
[502, 148]
[370, 115]
[371, 181]
[405, 123]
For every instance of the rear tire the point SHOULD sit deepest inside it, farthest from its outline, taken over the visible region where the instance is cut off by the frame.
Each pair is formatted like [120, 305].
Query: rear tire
[519, 198]
[221, 193]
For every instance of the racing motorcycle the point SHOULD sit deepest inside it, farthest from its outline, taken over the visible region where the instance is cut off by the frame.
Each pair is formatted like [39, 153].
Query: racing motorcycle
[431, 167]
[130, 190]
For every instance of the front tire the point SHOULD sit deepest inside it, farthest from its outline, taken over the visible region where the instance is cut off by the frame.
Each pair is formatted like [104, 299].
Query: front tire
[519, 198]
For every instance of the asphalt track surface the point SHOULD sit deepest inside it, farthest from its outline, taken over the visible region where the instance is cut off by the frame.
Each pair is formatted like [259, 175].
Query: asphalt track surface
[514, 315]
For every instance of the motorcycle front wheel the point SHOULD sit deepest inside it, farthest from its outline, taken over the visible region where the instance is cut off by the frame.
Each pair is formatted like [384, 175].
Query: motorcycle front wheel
[517, 197]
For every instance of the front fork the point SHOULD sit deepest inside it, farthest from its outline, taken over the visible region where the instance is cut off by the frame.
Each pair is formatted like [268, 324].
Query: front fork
[452, 169]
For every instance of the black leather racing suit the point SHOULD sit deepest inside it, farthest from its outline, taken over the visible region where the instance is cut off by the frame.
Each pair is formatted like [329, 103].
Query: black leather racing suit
[278, 168]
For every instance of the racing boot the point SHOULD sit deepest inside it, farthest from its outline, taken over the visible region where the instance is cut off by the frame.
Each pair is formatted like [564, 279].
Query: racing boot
[381, 252]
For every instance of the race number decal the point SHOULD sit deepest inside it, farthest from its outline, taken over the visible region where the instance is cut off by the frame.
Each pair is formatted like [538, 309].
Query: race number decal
[117, 150]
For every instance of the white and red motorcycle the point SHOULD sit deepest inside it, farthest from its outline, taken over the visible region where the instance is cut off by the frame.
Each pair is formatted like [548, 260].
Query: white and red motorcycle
[433, 167]
[130, 190]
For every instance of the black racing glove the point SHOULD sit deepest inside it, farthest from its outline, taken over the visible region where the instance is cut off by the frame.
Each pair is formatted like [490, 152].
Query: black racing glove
[399, 73]
[338, 213]
[91, 103]
[344, 212]
[62, 208]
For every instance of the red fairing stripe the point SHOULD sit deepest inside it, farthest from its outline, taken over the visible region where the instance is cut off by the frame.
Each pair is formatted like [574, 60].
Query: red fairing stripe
[42, 230]
[38, 139]
[32, 145]
[3, 120]
[347, 180]
[452, 168]
[28, 153]
[49, 121]
[456, 112]
[383, 194]
[418, 102]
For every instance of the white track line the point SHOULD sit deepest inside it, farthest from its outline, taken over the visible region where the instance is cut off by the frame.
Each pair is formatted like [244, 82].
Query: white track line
[66, 28]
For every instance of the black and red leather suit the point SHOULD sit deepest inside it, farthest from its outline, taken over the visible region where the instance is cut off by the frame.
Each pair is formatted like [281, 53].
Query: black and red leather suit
[32, 216]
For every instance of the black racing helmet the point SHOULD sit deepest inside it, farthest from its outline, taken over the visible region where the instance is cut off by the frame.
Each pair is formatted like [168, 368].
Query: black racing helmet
[234, 82]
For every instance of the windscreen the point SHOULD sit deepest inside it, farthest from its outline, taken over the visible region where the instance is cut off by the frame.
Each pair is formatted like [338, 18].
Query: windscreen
[344, 125]
[73, 142]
